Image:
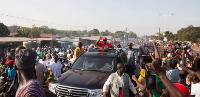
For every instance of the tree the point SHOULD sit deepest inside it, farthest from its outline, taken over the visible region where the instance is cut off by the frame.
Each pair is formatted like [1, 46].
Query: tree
[34, 32]
[105, 33]
[189, 34]
[169, 35]
[23, 32]
[120, 34]
[14, 28]
[132, 35]
[94, 32]
[44, 29]
[160, 36]
[175, 36]
[4, 32]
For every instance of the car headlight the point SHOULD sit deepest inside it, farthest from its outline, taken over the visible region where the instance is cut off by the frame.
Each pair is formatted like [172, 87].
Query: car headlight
[52, 87]
[96, 93]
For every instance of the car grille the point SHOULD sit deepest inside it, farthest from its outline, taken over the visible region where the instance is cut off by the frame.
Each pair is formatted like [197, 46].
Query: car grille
[71, 91]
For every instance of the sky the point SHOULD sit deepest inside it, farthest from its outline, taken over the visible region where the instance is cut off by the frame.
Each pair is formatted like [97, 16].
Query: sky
[144, 17]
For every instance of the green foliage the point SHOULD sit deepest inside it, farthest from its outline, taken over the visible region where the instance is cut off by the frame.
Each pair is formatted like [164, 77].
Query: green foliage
[23, 32]
[132, 35]
[105, 33]
[35, 32]
[189, 34]
[4, 32]
[94, 32]
[175, 36]
[119, 34]
[169, 35]
[161, 37]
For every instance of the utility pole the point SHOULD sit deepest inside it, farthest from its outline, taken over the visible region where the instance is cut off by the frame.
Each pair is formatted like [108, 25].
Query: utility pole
[159, 32]
[165, 15]
[126, 34]
[125, 37]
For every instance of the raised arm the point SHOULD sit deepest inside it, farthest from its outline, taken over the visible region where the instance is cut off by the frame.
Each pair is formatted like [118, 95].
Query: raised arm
[164, 64]
[183, 58]
[194, 66]
[98, 40]
[155, 48]
[141, 86]
[169, 85]
[151, 56]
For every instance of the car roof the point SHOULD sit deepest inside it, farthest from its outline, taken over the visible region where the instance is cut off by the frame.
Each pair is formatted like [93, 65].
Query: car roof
[96, 54]
[97, 50]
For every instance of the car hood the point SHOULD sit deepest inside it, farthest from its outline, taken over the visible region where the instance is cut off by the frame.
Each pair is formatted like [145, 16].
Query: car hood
[83, 79]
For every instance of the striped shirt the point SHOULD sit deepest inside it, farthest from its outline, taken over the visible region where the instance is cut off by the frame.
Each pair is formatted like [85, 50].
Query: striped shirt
[32, 88]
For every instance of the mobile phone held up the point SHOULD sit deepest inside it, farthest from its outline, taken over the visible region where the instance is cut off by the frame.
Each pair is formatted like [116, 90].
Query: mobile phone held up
[151, 82]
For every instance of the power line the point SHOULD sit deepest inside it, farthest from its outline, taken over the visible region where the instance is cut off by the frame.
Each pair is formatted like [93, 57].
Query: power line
[38, 21]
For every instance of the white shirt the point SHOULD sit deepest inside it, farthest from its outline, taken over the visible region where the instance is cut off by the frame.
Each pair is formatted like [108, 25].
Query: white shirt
[48, 62]
[61, 54]
[71, 60]
[56, 69]
[57, 49]
[195, 89]
[44, 63]
[179, 68]
[128, 56]
[120, 81]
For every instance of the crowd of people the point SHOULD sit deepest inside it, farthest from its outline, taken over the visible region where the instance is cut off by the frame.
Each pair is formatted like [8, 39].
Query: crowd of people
[29, 69]
[175, 70]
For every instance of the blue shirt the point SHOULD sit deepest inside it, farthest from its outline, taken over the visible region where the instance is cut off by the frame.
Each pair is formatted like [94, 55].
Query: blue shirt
[11, 72]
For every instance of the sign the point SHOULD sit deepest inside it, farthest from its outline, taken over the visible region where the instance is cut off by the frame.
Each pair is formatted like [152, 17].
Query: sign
[161, 49]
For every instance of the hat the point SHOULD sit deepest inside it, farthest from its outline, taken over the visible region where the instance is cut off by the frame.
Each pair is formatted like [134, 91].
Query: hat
[25, 59]
[10, 62]
[104, 38]
[183, 89]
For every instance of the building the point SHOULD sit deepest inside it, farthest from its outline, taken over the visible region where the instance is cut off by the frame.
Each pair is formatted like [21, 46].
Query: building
[13, 42]
[48, 40]
[65, 42]
[12, 34]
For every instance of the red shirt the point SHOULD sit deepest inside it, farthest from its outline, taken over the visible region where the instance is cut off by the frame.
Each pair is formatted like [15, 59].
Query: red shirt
[103, 46]
[183, 89]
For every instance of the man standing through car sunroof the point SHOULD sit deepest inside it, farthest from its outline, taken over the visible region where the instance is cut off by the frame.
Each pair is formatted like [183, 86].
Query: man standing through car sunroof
[104, 45]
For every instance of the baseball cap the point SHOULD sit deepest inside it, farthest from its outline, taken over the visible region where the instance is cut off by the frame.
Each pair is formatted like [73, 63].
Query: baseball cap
[104, 38]
[10, 62]
[183, 89]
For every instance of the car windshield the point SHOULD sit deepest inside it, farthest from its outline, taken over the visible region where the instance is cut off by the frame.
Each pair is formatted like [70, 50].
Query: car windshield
[91, 63]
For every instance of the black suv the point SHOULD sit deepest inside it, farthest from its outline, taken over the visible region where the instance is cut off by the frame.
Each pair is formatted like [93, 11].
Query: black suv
[87, 75]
